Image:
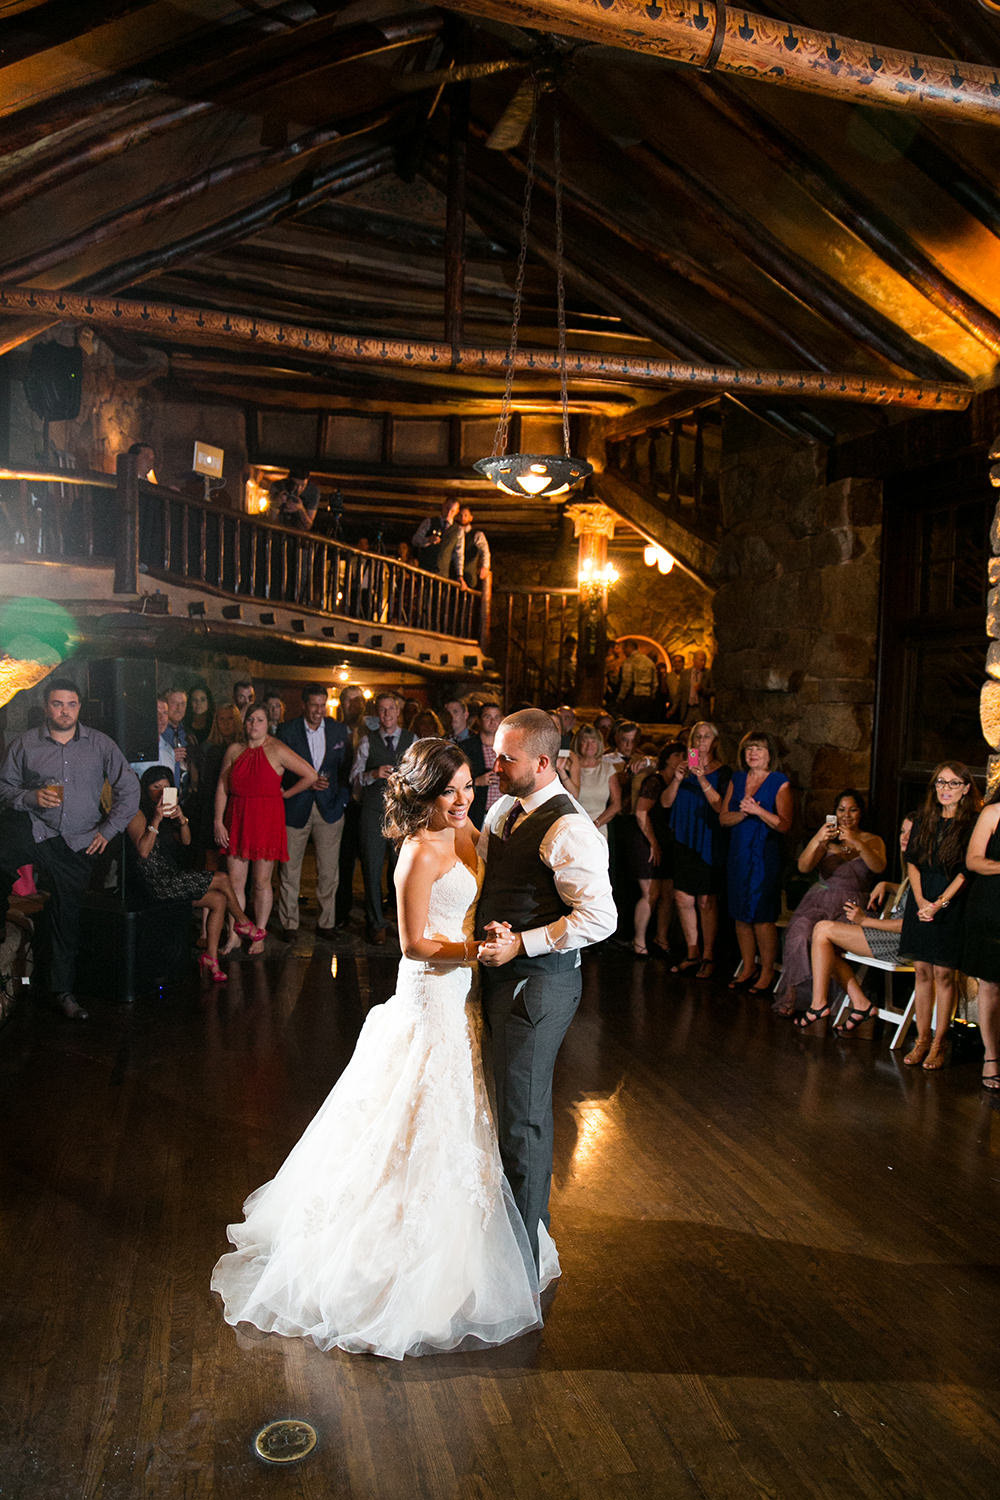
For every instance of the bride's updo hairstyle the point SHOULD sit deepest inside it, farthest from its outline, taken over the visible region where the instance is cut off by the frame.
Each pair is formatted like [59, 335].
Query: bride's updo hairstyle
[420, 778]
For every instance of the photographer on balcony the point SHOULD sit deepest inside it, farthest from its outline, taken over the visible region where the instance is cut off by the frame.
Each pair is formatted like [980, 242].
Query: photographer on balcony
[294, 501]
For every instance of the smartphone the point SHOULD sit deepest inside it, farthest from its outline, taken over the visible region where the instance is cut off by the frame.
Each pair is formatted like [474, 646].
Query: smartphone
[169, 798]
[693, 759]
[831, 820]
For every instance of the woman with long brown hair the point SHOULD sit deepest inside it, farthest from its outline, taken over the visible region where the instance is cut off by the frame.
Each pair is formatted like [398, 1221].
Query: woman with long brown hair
[391, 1229]
[933, 921]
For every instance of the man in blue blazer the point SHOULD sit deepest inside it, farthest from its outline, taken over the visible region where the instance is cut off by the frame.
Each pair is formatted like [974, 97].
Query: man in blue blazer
[317, 814]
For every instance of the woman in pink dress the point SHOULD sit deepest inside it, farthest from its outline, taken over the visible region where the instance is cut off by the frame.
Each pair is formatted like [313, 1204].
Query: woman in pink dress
[250, 812]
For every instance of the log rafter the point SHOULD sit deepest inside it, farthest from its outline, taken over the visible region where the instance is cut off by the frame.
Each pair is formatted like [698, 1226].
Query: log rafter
[730, 39]
[856, 213]
[163, 319]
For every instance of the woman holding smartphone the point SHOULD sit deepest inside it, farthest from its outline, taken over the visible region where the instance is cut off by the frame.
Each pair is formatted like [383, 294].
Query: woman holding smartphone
[758, 808]
[694, 795]
[160, 833]
[845, 859]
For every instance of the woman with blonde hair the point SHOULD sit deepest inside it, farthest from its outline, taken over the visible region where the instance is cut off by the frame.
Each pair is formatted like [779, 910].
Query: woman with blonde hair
[695, 795]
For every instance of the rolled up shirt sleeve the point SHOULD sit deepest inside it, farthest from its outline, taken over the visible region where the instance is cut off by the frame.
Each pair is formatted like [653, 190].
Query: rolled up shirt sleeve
[577, 854]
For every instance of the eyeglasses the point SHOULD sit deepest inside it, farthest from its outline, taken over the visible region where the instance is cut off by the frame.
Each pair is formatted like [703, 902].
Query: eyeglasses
[941, 781]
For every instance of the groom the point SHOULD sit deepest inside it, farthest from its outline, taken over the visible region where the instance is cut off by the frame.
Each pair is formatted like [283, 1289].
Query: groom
[546, 894]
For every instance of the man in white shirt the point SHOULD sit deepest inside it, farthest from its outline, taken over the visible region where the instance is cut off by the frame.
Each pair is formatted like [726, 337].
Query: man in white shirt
[317, 813]
[637, 693]
[376, 758]
[546, 895]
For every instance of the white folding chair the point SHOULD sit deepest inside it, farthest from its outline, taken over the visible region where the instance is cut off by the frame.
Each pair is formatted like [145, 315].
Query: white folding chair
[885, 1012]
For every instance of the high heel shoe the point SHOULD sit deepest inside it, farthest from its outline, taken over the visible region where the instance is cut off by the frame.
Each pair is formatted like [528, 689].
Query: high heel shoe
[248, 930]
[215, 974]
[809, 1017]
[744, 981]
[990, 1081]
[914, 1058]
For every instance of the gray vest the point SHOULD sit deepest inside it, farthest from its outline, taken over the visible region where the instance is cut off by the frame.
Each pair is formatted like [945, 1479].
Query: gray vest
[373, 793]
[518, 887]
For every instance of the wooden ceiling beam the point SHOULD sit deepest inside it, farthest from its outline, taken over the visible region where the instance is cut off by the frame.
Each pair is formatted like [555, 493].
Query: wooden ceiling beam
[730, 39]
[389, 231]
[806, 284]
[155, 318]
[692, 554]
[130, 217]
[854, 211]
[216, 64]
[58, 21]
[646, 418]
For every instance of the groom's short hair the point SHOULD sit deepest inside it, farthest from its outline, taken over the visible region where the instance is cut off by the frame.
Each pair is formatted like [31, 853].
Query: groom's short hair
[541, 737]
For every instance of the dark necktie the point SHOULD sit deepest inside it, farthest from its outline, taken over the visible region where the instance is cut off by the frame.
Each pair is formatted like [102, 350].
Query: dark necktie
[510, 820]
[389, 744]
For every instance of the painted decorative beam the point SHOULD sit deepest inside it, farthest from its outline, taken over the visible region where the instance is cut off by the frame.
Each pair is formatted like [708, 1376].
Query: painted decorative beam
[708, 34]
[164, 320]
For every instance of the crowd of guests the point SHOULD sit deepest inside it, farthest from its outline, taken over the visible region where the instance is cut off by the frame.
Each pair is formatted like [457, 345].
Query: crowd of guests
[699, 848]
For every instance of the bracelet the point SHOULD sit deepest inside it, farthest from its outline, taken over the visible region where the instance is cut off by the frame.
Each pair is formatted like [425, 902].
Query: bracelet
[151, 829]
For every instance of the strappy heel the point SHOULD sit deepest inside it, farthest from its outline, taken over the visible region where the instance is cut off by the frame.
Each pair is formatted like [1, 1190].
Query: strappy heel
[992, 1083]
[248, 930]
[211, 968]
[810, 1017]
[856, 1018]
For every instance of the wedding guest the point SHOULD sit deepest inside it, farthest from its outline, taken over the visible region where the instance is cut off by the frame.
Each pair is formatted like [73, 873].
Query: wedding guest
[351, 714]
[845, 859]
[377, 756]
[637, 688]
[482, 757]
[159, 835]
[274, 707]
[652, 852]
[477, 550]
[427, 726]
[315, 813]
[871, 929]
[981, 946]
[165, 750]
[457, 713]
[757, 808]
[696, 690]
[592, 778]
[52, 786]
[175, 736]
[932, 924]
[695, 797]
[250, 812]
[200, 713]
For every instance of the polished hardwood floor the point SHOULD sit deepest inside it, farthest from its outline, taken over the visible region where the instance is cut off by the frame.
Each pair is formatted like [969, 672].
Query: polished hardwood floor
[780, 1260]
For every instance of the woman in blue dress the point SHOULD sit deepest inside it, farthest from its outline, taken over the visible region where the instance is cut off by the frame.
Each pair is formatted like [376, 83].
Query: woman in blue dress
[694, 795]
[757, 808]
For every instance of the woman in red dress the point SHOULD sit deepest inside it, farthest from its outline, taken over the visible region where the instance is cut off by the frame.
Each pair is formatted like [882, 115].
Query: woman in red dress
[250, 811]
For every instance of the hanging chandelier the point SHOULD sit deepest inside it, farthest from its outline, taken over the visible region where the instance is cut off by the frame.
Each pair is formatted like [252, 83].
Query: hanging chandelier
[542, 475]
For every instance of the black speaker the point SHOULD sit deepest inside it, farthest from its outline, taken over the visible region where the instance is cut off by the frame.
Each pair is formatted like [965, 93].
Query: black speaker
[54, 382]
[122, 703]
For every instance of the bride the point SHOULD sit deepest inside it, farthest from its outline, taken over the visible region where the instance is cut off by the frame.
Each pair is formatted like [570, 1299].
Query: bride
[390, 1228]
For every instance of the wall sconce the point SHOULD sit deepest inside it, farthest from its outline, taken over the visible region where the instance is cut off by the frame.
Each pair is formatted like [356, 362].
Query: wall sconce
[256, 498]
[657, 557]
[594, 583]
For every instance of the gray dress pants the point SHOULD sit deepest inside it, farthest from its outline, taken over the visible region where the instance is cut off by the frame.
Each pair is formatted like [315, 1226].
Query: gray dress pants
[528, 1005]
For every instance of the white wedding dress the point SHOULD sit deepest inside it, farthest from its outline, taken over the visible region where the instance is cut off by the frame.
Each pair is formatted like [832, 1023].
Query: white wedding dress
[390, 1229]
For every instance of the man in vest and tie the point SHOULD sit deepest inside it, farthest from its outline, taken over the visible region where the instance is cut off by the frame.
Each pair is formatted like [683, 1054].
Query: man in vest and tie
[377, 755]
[546, 895]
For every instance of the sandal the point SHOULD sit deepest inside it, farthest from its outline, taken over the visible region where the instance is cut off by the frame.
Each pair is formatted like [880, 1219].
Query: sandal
[638, 952]
[744, 981]
[915, 1058]
[809, 1017]
[215, 974]
[247, 929]
[686, 966]
[706, 969]
[934, 1059]
[993, 1081]
[855, 1019]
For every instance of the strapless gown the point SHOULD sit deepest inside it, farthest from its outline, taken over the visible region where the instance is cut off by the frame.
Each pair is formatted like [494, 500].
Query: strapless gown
[390, 1228]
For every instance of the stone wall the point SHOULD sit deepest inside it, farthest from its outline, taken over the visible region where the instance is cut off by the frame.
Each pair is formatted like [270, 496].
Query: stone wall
[796, 610]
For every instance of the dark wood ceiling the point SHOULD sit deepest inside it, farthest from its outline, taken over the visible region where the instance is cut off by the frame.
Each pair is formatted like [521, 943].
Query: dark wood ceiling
[290, 159]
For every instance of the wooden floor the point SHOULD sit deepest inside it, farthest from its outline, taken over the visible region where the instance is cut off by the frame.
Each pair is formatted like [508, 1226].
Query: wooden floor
[780, 1260]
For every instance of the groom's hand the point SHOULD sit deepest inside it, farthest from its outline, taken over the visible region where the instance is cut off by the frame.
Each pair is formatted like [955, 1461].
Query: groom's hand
[501, 945]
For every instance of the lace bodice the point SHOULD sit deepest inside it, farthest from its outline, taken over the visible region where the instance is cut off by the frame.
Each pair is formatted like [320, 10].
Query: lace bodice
[451, 915]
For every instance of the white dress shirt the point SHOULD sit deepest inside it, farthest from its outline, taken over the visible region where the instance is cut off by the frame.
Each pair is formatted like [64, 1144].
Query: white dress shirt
[316, 740]
[577, 855]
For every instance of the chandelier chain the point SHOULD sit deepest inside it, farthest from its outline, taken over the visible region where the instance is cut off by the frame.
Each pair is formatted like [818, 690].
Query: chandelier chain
[560, 279]
[503, 425]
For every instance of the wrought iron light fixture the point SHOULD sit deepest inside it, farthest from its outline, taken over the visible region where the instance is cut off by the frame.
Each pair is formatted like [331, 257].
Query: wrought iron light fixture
[545, 475]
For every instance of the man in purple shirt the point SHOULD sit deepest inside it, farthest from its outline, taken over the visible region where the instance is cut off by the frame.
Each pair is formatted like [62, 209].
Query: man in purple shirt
[51, 783]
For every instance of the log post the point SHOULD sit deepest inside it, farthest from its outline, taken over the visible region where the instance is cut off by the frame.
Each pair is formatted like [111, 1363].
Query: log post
[127, 530]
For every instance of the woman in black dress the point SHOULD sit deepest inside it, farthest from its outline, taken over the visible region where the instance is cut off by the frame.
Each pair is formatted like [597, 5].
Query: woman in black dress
[160, 834]
[981, 948]
[932, 923]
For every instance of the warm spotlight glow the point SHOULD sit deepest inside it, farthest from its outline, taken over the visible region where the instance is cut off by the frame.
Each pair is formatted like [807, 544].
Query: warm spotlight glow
[257, 498]
[593, 582]
[657, 557]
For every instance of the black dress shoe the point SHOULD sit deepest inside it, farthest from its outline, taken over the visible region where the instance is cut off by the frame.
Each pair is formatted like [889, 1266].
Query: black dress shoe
[326, 933]
[288, 934]
[376, 935]
[70, 1006]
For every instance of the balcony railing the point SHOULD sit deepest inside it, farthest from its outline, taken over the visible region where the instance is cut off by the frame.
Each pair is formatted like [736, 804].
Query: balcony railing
[145, 528]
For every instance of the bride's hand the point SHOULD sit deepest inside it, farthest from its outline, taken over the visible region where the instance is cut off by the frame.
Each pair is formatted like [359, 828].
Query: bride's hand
[501, 945]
